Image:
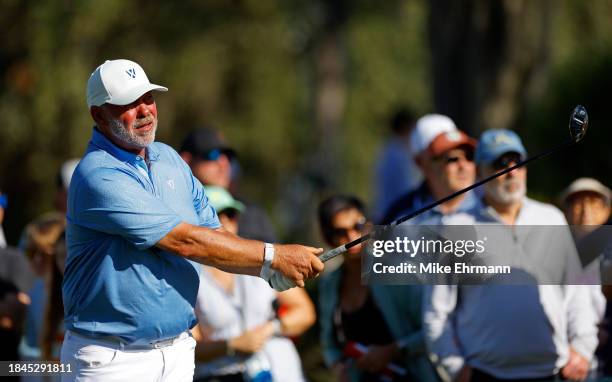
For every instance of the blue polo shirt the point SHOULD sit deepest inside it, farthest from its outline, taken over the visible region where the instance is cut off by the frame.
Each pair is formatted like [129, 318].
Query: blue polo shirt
[117, 283]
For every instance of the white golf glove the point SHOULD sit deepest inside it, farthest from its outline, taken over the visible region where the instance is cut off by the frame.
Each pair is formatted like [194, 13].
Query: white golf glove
[280, 283]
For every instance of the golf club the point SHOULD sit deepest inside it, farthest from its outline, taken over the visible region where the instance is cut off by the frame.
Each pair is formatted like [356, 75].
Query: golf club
[578, 124]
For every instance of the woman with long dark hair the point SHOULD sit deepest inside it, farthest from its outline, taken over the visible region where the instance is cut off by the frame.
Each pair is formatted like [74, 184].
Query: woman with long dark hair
[368, 332]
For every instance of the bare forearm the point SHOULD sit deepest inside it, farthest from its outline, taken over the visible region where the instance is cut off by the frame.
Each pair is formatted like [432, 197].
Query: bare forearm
[296, 323]
[228, 252]
[300, 314]
[217, 248]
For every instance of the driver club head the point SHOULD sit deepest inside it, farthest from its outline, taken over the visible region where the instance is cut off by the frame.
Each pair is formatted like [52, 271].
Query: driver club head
[578, 123]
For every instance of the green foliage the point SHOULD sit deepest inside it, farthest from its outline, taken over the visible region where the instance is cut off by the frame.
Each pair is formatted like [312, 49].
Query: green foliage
[248, 68]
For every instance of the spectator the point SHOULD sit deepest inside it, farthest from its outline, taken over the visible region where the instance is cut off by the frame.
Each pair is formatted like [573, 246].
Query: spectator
[41, 237]
[586, 204]
[445, 156]
[210, 160]
[384, 319]
[30, 344]
[238, 323]
[3, 205]
[63, 184]
[52, 334]
[553, 327]
[16, 279]
[396, 172]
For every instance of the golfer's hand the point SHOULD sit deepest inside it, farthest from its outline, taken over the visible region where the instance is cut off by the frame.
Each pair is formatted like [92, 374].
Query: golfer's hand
[297, 263]
[577, 367]
[252, 340]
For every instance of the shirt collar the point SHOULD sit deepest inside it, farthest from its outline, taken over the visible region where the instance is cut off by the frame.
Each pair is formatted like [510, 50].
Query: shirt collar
[469, 202]
[492, 213]
[100, 141]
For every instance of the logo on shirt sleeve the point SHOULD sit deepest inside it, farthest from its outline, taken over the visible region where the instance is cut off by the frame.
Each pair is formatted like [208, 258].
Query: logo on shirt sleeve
[170, 183]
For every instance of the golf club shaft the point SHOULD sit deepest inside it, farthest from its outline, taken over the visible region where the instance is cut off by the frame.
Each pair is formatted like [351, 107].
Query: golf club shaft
[343, 248]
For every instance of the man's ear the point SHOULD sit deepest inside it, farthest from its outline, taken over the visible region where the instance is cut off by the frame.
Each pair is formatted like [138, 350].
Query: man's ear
[97, 114]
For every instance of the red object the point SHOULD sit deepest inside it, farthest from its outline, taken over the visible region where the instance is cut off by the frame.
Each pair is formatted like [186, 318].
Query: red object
[356, 350]
[282, 310]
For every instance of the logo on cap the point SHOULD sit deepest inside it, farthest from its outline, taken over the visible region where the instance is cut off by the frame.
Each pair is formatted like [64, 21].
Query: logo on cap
[453, 136]
[131, 72]
[501, 139]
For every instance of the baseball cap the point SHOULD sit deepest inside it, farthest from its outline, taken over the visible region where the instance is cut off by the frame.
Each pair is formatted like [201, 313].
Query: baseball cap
[437, 133]
[451, 140]
[497, 142]
[586, 185]
[201, 142]
[66, 171]
[221, 199]
[118, 82]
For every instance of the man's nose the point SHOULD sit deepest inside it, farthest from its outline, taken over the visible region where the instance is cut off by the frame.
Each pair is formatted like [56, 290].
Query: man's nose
[142, 110]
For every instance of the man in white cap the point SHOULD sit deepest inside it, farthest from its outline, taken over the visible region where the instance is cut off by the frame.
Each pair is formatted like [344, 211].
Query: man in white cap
[136, 215]
[586, 204]
[445, 156]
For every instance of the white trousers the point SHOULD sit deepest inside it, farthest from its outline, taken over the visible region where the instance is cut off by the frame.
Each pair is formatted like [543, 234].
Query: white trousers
[93, 360]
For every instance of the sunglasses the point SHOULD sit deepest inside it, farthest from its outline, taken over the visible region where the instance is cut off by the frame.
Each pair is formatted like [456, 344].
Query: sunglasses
[212, 155]
[506, 161]
[448, 159]
[344, 232]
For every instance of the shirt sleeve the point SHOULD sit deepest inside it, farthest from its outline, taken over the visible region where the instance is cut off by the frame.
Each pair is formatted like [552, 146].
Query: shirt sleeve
[439, 303]
[115, 202]
[582, 319]
[207, 215]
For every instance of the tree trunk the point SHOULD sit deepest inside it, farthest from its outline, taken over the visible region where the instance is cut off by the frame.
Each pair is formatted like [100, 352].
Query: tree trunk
[487, 57]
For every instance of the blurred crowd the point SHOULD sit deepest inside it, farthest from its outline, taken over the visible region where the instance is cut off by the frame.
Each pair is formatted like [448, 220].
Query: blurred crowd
[247, 331]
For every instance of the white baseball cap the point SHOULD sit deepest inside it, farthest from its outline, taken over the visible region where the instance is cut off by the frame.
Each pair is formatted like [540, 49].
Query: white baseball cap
[427, 129]
[586, 185]
[67, 170]
[118, 82]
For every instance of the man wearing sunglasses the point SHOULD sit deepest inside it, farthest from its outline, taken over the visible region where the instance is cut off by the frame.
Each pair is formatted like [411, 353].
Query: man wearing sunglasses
[526, 332]
[445, 156]
[213, 163]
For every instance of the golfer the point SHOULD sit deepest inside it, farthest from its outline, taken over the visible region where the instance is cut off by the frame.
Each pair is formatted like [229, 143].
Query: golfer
[136, 216]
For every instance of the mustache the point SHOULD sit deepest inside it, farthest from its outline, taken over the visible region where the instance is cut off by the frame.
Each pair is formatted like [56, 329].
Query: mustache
[144, 121]
[512, 182]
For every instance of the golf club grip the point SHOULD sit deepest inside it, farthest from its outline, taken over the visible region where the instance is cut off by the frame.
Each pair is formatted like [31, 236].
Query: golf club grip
[341, 249]
[332, 253]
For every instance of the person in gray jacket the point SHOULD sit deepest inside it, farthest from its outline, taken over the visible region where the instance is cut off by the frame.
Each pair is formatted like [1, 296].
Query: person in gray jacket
[525, 332]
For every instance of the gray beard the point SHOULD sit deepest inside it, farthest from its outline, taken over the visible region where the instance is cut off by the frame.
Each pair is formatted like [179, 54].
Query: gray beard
[130, 138]
[501, 195]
